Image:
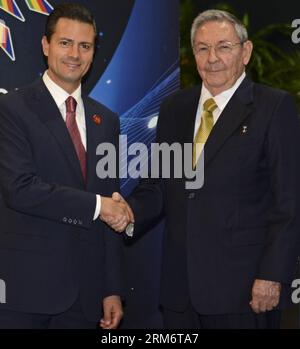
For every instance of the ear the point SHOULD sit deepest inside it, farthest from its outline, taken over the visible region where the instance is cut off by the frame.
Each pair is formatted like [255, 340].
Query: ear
[45, 46]
[247, 51]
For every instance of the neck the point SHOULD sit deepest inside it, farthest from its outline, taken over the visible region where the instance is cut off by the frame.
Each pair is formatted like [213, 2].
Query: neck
[69, 87]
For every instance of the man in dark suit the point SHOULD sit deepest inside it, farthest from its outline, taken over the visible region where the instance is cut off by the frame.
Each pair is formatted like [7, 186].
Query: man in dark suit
[230, 247]
[60, 263]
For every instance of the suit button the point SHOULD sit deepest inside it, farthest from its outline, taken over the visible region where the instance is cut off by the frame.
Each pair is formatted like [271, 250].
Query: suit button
[65, 219]
[192, 196]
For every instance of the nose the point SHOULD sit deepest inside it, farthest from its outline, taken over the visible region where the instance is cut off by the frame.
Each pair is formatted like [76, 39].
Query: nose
[212, 57]
[74, 51]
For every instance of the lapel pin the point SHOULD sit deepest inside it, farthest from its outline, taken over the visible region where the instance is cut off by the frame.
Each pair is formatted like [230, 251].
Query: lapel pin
[97, 119]
[245, 129]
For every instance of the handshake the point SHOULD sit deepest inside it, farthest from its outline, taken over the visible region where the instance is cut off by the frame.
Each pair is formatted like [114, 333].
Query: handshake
[116, 212]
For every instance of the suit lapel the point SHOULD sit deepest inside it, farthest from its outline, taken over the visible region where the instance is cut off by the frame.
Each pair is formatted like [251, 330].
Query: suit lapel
[235, 112]
[45, 108]
[186, 116]
[95, 135]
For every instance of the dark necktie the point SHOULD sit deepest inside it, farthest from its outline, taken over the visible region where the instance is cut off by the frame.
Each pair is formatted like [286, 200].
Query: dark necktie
[71, 105]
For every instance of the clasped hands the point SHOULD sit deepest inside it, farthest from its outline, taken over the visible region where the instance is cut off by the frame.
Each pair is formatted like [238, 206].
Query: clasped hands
[116, 212]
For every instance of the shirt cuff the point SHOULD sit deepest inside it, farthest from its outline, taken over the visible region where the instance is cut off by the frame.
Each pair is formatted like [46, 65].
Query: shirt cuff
[98, 207]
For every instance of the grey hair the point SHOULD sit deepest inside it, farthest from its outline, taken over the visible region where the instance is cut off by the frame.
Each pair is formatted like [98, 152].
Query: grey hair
[218, 15]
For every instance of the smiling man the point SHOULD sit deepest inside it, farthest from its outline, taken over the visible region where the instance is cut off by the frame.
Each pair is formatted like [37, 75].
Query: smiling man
[69, 50]
[60, 262]
[221, 55]
[230, 248]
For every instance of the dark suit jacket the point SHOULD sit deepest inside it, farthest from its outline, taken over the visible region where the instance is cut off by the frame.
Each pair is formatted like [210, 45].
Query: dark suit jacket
[244, 223]
[51, 250]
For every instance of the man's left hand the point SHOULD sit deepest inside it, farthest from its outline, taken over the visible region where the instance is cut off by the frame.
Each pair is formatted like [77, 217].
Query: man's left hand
[265, 295]
[112, 313]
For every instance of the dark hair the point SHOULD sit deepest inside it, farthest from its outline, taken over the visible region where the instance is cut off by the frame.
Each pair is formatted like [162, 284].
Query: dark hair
[72, 11]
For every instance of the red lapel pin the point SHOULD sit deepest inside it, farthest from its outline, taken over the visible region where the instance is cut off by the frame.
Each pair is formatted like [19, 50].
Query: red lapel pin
[97, 119]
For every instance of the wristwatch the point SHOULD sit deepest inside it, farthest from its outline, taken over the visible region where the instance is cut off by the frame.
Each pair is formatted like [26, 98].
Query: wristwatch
[129, 230]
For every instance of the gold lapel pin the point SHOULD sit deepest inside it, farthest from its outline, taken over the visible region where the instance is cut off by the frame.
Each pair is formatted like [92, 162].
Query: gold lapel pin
[245, 129]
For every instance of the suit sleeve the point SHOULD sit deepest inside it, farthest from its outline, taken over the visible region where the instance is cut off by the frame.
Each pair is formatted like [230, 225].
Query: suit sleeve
[278, 262]
[114, 253]
[22, 188]
[147, 199]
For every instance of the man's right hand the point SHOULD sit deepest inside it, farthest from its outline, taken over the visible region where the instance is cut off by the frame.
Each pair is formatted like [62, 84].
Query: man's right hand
[116, 212]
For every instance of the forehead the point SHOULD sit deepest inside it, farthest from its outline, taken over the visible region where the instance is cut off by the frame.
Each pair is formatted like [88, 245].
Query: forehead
[215, 31]
[72, 29]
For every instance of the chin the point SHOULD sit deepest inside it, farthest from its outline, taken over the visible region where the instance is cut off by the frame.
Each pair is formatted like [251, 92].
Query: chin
[72, 77]
[216, 83]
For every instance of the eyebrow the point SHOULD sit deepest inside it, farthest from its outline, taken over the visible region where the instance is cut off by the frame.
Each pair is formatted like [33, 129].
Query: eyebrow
[219, 42]
[66, 39]
[70, 40]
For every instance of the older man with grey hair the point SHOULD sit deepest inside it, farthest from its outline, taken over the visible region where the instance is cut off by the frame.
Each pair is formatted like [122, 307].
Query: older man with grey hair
[230, 248]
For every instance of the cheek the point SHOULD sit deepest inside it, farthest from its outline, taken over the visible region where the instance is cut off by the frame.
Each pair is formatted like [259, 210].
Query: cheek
[233, 65]
[88, 61]
[228, 63]
[238, 66]
[53, 56]
[200, 65]
[51, 60]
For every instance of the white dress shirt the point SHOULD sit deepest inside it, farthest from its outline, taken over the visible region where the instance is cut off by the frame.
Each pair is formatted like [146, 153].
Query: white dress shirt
[60, 96]
[221, 100]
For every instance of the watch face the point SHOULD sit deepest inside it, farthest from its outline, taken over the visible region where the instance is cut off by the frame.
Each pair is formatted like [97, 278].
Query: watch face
[111, 18]
[129, 230]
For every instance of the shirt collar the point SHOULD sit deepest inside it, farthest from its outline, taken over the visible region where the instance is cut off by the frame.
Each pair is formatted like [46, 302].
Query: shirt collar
[224, 97]
[60, 95]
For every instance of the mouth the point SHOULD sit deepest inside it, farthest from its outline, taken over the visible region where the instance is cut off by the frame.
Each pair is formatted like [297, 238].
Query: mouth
[210, 69]
[72, 66]
[214, 71]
